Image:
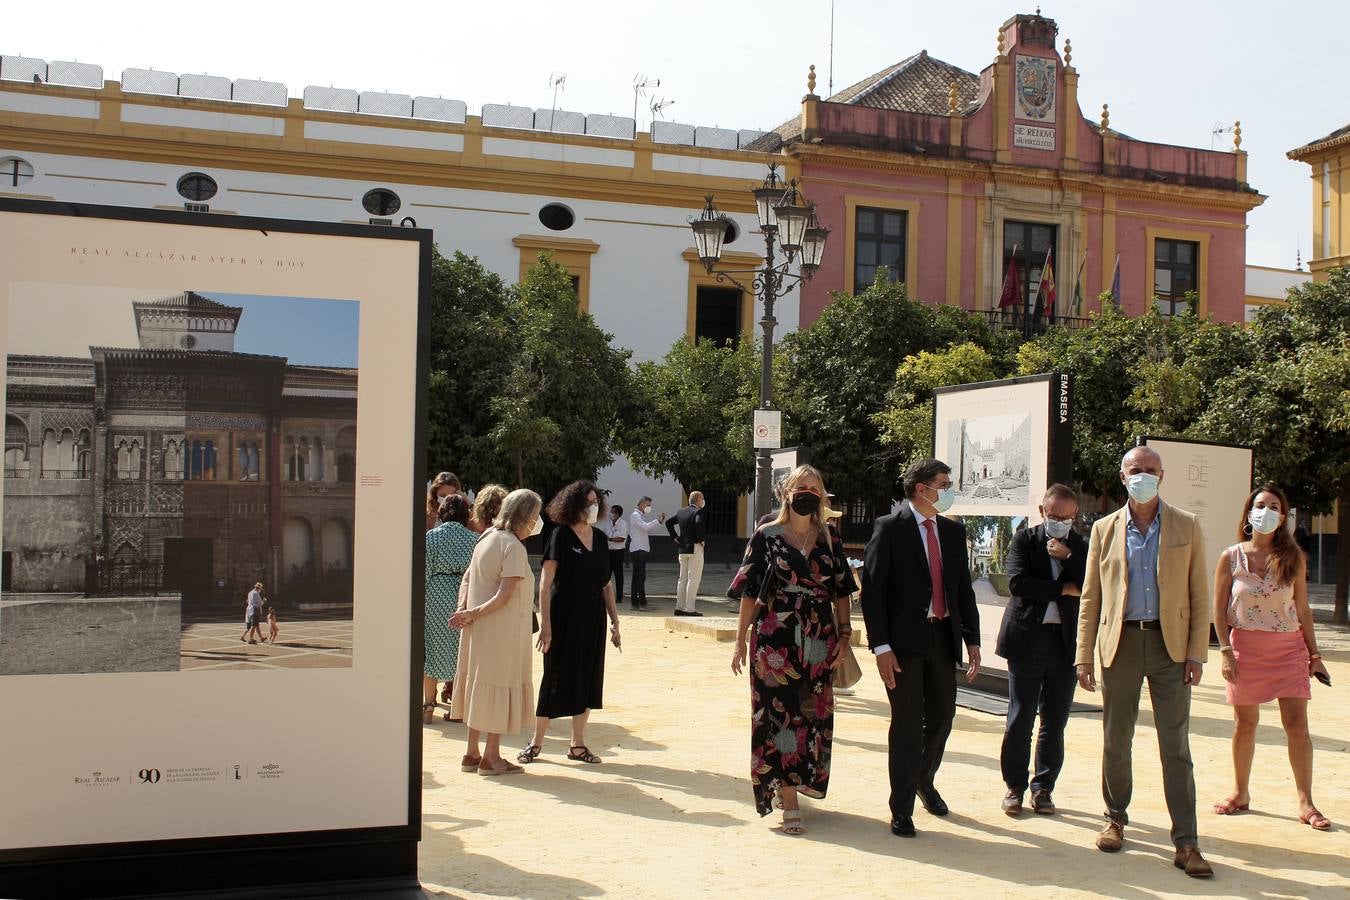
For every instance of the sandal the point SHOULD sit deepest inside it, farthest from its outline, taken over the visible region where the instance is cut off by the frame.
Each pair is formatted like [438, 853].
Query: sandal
[1230, 806]
[446, 690]
[529, 754]
[504, 769]
[792, 822]
[427, 710]
[1315, 820]
[585, 755]
[470, 763]
[450, 717]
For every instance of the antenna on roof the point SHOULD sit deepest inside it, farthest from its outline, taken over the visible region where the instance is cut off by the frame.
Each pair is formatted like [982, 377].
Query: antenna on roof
[640, 85]
[1219, 128]
[830, 90]
[659, 104]
[556, 80]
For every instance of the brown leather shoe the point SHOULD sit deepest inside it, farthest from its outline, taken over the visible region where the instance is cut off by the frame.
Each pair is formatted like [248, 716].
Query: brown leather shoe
[1188, 857]
[1042, 803]
[1111, 838]
[1012, 803]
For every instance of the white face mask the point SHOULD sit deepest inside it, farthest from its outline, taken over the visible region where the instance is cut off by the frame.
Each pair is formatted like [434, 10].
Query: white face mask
[1264, 521]
[945, 498]
[592, 513]
[1057, 530]
[1142, 487]
[538, 526]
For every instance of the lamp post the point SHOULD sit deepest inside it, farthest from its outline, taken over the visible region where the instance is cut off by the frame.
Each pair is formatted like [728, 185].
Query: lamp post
[789, 224]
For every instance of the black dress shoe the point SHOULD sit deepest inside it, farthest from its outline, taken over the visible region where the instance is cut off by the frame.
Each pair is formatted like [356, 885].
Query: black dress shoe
[680, 612]
[932, 801]
[902, 826]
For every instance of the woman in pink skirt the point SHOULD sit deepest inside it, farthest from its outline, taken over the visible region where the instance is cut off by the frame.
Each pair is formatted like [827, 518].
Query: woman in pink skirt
[1269, 650]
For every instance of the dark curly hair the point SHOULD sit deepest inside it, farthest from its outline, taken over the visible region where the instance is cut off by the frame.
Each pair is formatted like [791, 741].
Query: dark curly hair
[453, 508]
[568, 507]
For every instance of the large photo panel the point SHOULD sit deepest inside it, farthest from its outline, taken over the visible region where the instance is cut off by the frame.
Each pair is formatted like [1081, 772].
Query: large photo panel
[208, 528]
[1006, 442]
[1210, 480]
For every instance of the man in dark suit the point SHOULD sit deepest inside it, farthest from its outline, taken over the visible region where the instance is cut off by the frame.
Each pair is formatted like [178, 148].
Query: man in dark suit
[1038, 638]
[689, 528]
[919, 608]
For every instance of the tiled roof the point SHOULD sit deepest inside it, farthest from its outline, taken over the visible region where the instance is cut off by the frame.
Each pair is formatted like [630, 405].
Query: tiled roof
[1339, 136]
[192, 300]
[919, 84]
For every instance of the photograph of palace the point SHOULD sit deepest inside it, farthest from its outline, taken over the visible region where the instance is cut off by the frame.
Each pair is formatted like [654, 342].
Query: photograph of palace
[151, 482]
[992, 465]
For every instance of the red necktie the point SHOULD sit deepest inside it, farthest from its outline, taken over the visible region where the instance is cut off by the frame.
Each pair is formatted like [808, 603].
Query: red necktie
[935, 571]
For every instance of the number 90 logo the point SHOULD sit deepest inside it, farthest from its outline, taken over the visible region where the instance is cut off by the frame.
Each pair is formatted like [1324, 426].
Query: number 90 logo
[148, 776]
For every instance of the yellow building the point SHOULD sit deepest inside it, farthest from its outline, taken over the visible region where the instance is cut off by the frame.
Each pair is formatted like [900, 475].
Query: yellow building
[1329, 158]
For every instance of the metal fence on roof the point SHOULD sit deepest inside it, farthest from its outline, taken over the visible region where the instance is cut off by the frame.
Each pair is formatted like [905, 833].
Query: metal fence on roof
[74, 74]
[438, 109]
[376, 103]
[560, 121]
[331, 98]
[205, 87]
[267, 93]
[715, 138]
[499, 115]
[673, 133]
[22, 68]
[620, 127]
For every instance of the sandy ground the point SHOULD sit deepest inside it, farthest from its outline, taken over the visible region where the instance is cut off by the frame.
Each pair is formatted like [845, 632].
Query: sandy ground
[305, 640]
[669, 812]
[58, 634]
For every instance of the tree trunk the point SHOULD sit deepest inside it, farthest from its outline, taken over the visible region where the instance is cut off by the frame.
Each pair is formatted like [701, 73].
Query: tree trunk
[1342, 554]
[520, 469]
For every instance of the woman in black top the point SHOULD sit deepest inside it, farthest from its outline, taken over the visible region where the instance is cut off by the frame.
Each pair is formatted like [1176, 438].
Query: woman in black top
[575, 595]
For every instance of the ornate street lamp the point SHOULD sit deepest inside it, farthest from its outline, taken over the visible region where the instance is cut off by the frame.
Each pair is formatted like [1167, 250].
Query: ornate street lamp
[788, 223]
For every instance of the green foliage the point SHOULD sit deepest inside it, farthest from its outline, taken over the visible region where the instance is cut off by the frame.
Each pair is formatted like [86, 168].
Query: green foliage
[833, 378]
[691, 416]
[907, 419]
[525, 389]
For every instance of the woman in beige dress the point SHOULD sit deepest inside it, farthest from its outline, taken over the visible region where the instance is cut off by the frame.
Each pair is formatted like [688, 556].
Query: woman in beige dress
[494, 691]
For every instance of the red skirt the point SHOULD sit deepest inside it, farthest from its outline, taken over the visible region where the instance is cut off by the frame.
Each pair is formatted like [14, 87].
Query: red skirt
[1270, 665]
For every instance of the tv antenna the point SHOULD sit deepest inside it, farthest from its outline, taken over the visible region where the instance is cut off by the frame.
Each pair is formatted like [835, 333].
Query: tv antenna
[641, 85]
[829, 91]
[658, 104]
[557, 81]
[1219, 128]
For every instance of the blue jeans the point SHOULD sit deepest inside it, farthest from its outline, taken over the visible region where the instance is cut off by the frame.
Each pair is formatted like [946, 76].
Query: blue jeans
[1042, 680]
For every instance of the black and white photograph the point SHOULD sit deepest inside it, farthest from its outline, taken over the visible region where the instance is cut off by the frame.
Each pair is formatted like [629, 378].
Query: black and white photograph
[179, 483]
[992, 465]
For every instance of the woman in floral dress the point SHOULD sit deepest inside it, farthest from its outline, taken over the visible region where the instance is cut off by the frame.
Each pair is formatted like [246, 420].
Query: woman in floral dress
[449, 549]
[794, 586]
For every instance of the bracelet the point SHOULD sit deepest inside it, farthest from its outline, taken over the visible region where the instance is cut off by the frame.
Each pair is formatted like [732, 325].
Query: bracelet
[1312, 656]
[1223, 649]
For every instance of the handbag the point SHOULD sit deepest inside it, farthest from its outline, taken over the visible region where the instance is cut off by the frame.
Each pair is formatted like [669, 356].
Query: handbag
[848, 673]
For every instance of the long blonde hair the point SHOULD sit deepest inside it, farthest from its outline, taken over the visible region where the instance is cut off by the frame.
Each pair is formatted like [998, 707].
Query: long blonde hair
[821, 516]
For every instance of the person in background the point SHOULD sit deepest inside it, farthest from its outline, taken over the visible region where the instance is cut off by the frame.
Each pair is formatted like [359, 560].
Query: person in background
[1144, 614]
[917, 619]
[639, 535]
[486, 505]
[575, 596]
[1268, 646]
[795, 584]
[1038, 638]
[616, 534]
[272, 629]
[689, 528]
[449, 548]
[494, 689]
[443, 485]
[253, 615]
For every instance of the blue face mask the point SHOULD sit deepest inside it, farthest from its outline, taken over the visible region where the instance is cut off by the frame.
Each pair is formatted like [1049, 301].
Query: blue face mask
[1057, 530]
[945, 498]
[1142, 487]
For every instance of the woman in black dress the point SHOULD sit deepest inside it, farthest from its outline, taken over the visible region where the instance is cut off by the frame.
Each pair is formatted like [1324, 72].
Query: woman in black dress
[575, 595]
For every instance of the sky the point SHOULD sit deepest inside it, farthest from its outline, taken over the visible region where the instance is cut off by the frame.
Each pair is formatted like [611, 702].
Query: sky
[1171, 72]
[58, 320]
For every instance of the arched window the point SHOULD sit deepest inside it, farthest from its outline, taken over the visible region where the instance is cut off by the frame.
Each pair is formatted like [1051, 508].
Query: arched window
[135, 454]
[15, 172]
[50, 455]
[209, 461]
[123, 457]
[346, 468]
[173, 460]
[316, 460]
[194, 472]
[381, 202]
[16, 444]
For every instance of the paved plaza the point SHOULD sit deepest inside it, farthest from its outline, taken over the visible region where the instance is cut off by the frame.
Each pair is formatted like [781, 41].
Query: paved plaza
[669, 813]
[313, 640]
[61, 634]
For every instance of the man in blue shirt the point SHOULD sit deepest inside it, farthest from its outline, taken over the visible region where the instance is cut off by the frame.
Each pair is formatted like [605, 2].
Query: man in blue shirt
[1145, 612]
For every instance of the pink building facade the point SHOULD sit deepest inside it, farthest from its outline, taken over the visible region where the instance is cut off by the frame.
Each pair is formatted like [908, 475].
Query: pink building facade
[944, 177]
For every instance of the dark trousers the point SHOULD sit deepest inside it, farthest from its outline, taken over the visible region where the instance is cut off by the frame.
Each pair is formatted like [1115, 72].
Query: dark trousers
[923, 705]
[638, 591]
[616, 566]
[1040, 680]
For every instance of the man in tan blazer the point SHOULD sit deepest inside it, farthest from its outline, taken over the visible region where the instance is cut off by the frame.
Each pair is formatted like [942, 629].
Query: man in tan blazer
[1145, 611]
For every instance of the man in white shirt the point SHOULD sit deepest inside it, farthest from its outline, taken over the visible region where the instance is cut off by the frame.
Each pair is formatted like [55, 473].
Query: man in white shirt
[616, 530]
[639, 546]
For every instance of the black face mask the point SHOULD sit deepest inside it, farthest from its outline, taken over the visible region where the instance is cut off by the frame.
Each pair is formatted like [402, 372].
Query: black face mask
[805, 503]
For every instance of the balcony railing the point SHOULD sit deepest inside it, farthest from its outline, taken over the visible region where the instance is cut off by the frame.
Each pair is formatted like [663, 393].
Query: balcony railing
[64, 473]
[1029, 324]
